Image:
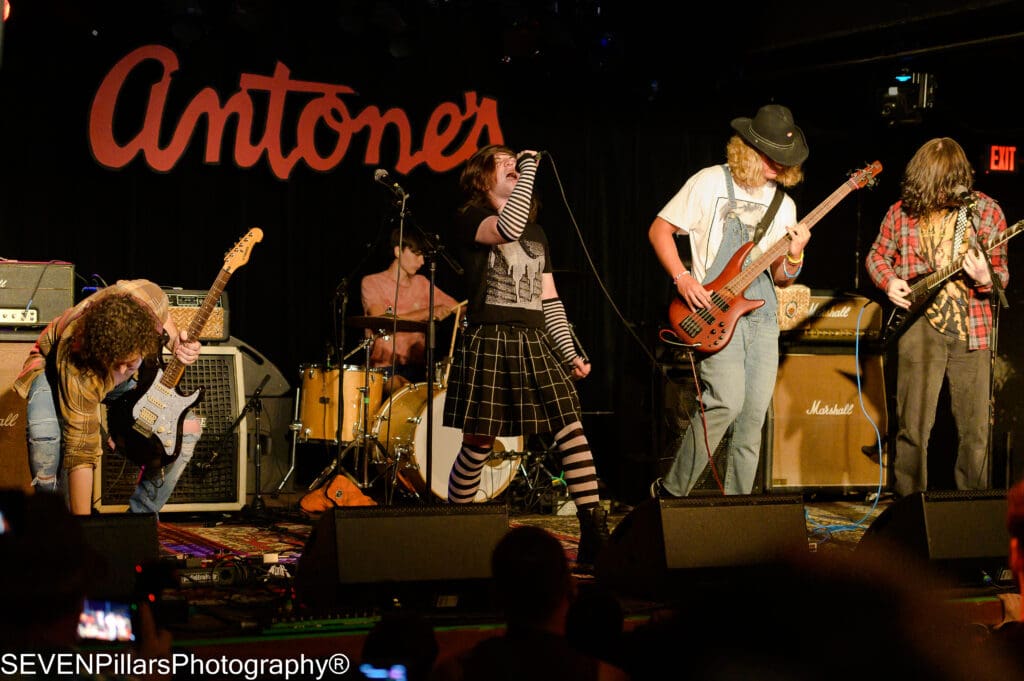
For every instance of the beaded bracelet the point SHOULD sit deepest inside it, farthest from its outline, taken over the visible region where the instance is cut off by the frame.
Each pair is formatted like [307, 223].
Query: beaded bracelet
[792, 275]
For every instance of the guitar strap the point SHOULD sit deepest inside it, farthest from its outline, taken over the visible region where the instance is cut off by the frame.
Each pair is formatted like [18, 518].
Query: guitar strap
[769, 215]
[961, 228]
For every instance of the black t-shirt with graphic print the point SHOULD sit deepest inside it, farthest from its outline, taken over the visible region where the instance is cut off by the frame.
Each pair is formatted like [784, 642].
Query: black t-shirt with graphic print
[504, 282]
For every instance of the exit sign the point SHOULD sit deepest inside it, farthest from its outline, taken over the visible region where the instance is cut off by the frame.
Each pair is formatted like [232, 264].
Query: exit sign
[1001, 159]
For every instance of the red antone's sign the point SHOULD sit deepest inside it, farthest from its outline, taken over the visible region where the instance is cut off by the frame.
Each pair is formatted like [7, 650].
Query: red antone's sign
[1001, 159]
[325, 109]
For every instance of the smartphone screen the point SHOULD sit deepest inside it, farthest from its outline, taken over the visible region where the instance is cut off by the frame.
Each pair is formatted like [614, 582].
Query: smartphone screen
[395, 672]
[107, 621]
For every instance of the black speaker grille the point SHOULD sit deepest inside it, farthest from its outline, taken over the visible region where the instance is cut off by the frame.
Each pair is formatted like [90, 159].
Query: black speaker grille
[214, 371]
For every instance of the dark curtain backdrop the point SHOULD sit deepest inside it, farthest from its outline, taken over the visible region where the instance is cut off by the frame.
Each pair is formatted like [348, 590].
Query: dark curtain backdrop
[625, 121]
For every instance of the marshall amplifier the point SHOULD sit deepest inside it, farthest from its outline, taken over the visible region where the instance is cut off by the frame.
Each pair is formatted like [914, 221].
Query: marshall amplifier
[185, 305]
[33, 293]
[826, 408]
[807, 316]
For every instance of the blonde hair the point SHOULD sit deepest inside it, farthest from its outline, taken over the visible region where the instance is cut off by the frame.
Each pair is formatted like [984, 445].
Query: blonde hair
[748, 170]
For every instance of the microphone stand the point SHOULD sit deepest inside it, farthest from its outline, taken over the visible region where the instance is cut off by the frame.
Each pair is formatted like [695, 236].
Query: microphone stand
[997, 302]
[338, 350]
[254, 404]
[432, 249]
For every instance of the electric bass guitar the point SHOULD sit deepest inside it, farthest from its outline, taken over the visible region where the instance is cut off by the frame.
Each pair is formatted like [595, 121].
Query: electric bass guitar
[923, 289]
[710, 329]
[146, 423]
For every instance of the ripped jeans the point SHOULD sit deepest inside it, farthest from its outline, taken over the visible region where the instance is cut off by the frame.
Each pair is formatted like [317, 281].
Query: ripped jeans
[44, 450]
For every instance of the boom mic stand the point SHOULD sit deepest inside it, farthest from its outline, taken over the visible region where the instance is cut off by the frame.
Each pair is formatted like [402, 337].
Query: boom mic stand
[432, 249]
[255, 405]
[997, 302]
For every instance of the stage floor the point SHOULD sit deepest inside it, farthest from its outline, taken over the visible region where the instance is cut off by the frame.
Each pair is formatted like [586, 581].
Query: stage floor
[233, 590]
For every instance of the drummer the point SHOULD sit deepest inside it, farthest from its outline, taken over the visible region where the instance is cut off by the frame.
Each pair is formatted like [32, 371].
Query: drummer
[400, 291]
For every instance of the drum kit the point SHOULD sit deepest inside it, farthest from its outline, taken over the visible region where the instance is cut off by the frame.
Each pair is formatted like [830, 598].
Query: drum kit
[387, 436]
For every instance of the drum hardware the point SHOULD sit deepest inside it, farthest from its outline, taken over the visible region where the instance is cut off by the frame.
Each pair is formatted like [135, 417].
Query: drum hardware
[536, 479]
[364, 446]
[401, 425]
[387, 324]
[295, 426]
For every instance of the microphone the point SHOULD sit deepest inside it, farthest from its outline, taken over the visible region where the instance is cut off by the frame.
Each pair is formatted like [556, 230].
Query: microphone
[537, 156]
[381, 175]
[961, 193]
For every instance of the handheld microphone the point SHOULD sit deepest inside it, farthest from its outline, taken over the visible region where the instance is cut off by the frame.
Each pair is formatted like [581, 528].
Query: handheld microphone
[381, 175]
[535, 156]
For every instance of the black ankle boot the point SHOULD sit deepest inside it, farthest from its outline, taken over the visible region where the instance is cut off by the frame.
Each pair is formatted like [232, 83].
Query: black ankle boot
[593, 534]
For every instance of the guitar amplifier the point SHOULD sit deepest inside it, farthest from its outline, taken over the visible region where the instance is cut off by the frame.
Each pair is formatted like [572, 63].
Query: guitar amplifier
[32, 294]
[828, 317]
[214, 479]
[185, 304]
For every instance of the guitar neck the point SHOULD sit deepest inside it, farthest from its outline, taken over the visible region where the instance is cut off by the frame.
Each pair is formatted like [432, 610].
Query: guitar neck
[175, 369]
[765, 260]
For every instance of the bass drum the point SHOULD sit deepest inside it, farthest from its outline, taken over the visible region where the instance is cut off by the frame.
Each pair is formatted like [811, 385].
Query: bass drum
[402, 424]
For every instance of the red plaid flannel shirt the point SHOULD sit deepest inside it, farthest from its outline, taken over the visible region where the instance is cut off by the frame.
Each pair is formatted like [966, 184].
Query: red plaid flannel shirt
[895, 254]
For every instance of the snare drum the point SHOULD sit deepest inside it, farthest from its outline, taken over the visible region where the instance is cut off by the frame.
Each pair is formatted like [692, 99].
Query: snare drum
[318, 412]
[402, 421]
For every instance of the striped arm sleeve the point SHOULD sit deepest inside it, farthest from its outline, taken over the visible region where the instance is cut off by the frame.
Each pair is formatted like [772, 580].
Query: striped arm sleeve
[557, 325]
[513, 217]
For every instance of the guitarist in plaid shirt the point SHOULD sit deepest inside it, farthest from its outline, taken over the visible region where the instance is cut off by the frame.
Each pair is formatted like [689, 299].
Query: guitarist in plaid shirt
[89, 355]
[937, 220]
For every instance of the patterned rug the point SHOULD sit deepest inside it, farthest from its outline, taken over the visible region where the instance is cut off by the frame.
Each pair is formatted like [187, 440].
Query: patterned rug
[831, 525]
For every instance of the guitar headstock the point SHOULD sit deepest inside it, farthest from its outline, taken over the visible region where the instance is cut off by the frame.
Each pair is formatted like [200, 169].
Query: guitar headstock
[865, 177]
[239, 254]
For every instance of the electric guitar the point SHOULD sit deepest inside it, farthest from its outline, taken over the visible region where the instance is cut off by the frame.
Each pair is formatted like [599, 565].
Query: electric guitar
[146, 423]
[923, 289]
[710, 329]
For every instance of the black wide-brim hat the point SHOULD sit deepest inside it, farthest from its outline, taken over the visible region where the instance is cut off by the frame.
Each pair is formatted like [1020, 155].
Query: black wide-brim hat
[773, 133]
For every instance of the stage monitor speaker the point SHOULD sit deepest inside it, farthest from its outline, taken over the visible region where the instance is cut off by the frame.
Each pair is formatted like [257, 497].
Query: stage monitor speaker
[14, 471]
[665, 547]
[128, 542]
[817, 424]
[215, 478]
[428, 557]
[961, 534]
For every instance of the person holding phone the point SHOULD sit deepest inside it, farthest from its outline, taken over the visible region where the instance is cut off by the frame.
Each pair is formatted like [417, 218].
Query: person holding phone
[44, 582]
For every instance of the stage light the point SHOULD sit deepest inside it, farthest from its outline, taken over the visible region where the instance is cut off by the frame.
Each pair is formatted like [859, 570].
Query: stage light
[906, 96]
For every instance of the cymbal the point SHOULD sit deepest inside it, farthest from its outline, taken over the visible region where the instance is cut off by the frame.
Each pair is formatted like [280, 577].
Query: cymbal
[387, 323]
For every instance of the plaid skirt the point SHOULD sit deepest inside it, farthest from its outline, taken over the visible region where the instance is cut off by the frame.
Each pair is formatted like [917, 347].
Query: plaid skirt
[507, 381]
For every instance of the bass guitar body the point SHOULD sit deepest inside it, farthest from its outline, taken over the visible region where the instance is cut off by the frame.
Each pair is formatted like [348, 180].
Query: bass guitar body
[711, 328]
